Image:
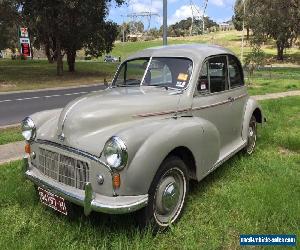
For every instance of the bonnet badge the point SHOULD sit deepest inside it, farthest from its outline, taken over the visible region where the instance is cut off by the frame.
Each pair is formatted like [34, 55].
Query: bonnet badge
[61, 137]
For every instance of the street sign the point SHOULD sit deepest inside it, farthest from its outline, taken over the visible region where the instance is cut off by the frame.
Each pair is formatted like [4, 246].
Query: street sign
[24, 42]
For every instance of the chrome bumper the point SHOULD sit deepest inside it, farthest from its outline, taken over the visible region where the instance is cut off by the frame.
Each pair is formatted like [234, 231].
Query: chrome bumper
[89, 200]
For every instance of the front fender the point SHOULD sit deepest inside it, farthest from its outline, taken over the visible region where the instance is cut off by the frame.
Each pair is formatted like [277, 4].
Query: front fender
[41, 117]
[198, 135]
[252, 107]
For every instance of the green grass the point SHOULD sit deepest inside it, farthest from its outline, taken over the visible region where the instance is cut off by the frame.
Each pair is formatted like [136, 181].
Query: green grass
[8, 135]
[256, 195]
[272, 80]
[20, 75]
[37, 74]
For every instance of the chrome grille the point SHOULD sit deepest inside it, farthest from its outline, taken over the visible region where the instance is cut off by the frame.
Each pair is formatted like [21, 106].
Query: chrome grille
[63, 168]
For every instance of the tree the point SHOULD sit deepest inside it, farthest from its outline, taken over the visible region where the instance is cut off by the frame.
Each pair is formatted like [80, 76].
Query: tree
[279, 20]
[182, 27]
[274, 19]
[9, 18]
[239, 16]
[66, 26]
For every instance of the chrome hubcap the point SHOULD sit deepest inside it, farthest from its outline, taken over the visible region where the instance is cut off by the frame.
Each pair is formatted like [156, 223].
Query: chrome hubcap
[251, 137]
[169, 196]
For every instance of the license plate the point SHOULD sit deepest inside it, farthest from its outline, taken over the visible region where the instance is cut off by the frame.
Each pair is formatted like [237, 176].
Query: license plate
[52, 200]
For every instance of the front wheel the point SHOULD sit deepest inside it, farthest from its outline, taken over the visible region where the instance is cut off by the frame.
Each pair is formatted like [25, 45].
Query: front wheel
[252, 136]
[167, 194]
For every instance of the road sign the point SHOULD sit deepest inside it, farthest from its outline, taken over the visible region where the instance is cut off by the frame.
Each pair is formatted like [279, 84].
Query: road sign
[24, 42]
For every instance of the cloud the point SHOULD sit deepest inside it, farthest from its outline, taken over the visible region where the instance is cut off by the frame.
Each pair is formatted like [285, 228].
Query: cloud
[155, 6]
[184, 12]
[218, 2]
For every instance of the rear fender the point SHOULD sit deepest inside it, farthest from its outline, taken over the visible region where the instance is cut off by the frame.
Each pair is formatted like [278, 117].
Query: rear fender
[252, 108]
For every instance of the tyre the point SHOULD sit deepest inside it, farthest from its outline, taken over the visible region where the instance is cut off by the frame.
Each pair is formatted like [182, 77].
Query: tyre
[251, 137]
[167, 195]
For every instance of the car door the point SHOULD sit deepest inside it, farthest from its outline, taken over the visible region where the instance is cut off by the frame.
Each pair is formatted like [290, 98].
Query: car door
[213, 100]
[239, 94]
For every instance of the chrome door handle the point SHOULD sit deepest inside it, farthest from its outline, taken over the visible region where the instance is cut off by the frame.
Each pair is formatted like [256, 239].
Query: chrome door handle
[231, 99]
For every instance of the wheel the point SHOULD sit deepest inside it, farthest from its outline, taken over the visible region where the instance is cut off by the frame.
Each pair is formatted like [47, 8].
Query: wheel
[167, 195]
[252, 134]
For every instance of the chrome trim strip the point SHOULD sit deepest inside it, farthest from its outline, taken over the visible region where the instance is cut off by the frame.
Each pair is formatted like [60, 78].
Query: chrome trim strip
[211, 105]
[240, 96]
[186, 110]
[161, 113]
[67, 112]
[75, 151]
[113, 205]
[219, 103]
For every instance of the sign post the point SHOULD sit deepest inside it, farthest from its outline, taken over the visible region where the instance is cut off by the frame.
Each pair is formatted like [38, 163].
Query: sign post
[25, 48]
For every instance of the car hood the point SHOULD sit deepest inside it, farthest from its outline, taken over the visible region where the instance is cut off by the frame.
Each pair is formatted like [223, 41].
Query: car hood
[89, 121]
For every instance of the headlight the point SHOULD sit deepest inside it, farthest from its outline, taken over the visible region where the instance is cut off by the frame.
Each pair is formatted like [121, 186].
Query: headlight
[28, 129]
[115, 153]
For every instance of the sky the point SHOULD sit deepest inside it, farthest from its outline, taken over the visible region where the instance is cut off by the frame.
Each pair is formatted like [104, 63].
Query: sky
[218, 10]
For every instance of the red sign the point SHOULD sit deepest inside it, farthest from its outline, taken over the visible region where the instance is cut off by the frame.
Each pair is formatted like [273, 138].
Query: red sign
[25, 42]
[25, 49]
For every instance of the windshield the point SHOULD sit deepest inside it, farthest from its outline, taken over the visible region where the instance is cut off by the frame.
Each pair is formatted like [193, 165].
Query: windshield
[168, 72]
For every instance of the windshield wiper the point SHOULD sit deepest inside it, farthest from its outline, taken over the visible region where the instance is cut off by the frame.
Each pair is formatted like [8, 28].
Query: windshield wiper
[127, 85]
[160, 86]
[130, 83]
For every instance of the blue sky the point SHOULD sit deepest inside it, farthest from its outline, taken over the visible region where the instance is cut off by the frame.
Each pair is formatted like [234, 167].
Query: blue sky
[218, 10]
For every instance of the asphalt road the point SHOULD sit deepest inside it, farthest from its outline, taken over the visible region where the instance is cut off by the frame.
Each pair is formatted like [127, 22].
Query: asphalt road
[15, 106]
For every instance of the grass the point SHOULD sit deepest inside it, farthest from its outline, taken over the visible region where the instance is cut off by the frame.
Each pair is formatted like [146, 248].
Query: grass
[8, 135]
[272, 80]
[38, 74]
[255, 195]
[21, 75]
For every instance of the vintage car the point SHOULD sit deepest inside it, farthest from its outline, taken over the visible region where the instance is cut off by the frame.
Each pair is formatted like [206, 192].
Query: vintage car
[171, 114]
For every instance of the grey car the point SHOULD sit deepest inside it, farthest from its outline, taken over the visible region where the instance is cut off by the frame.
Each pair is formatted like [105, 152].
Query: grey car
[171, 114]
[109, 58]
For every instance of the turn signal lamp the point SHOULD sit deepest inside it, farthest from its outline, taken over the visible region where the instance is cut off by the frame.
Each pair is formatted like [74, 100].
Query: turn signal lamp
[27, 148]
[116, 180]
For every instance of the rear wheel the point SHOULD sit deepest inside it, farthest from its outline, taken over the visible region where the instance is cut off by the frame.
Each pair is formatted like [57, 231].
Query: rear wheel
[167, 195]
[252, 136]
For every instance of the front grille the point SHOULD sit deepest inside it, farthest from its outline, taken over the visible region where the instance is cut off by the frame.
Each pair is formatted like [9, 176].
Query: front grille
[63, 168]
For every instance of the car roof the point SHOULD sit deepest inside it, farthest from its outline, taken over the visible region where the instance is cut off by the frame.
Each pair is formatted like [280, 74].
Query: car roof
[193, 51]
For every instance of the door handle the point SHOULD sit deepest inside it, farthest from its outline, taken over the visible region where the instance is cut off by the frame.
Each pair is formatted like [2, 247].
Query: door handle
[231, 99]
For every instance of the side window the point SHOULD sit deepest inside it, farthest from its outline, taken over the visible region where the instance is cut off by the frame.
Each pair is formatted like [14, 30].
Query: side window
[217, 71]
[235, 72]
[203, 84]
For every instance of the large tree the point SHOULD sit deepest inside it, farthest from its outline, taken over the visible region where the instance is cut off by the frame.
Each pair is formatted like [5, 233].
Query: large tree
[239, 15]
[276, 19]
[9, 18]
[279, 20]
[66, 26]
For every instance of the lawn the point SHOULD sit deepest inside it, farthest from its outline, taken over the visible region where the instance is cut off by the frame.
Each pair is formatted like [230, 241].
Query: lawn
[38, 74]
[8, 135]
[20, 75]
[272, 80]
[255, 195]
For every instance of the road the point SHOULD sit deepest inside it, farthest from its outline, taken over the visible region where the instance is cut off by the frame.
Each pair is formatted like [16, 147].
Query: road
[15, 106]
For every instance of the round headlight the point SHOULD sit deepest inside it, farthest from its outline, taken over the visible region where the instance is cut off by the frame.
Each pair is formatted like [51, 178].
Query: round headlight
[28, 129]
[115, 153]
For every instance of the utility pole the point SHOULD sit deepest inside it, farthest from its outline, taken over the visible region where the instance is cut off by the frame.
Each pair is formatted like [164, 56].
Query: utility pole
[165, 24]
[242, 50]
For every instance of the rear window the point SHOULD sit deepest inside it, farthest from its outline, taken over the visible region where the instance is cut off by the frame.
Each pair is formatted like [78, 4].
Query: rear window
[235, 72]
